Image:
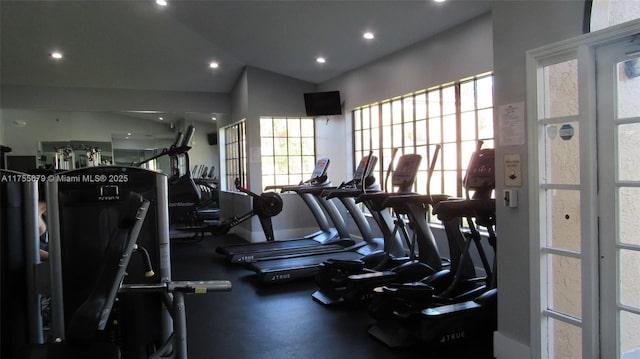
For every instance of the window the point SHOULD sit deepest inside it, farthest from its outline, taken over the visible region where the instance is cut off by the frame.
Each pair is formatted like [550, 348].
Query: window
[235, 147]
[288, 150]
[454, 115]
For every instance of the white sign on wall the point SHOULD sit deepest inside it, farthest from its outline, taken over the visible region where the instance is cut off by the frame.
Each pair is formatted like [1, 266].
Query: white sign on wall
[511, 124]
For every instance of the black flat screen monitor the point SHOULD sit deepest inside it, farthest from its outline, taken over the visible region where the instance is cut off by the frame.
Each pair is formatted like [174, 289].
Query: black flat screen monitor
[323, 103]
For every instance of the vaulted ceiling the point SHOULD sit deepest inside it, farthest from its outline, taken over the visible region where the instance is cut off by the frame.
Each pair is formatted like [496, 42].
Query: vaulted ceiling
[137, 44]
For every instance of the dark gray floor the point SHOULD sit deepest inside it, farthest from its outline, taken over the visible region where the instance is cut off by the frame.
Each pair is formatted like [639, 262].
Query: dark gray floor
[282, 321]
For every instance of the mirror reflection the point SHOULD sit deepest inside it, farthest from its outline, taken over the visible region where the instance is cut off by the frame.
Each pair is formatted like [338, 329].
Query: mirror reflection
[129, 150]
[74, 139]
[66, 155]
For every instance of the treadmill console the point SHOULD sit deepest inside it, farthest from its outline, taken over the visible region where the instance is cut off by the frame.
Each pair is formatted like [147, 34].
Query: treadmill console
[321, 168]
[365, 168]
[405, 172]
[318, 178]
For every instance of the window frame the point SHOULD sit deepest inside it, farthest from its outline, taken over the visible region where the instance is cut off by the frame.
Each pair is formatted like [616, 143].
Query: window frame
[234, 140]
[301, 156]
[372, 121]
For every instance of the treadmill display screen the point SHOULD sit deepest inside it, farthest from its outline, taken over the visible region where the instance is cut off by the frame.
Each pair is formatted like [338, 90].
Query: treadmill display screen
[365, 166]
[321, 168]
[406, 170]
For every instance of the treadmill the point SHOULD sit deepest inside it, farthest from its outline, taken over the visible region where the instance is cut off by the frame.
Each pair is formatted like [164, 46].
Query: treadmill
[330, 238]
[361, 182]
[352, 281]
[391, 239]
[303, 266]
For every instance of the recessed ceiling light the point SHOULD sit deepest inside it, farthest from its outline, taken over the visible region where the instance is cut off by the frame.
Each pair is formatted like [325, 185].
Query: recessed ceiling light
[161, 2]
[213, 118]
[439, 0]
[368, 35]
[129, 134]
[56, 55]
[321, 60]
[214, 65]
[160, 118]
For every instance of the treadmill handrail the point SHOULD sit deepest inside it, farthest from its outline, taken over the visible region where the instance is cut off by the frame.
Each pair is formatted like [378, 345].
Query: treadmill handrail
[397, 199]
[297, 187]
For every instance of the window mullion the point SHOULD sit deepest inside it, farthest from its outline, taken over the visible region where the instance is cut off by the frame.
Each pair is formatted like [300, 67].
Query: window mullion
[459, 164]
[441, 120]
[380, 144]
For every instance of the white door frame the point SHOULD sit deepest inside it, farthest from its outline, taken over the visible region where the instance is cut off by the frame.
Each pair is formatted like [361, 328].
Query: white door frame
[583, 49]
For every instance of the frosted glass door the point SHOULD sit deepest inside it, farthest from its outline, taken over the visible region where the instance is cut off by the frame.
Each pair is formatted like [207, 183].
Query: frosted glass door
[560, 210]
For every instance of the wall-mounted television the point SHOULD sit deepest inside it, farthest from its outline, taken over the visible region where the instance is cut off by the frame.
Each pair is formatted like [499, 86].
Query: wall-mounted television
[323, 103]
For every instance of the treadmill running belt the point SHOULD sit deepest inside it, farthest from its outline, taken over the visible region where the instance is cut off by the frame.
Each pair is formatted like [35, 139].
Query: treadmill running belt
[251, 252]
[266, 246]
[285, 270]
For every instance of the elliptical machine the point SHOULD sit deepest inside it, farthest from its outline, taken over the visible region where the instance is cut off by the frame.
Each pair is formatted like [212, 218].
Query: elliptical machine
[352, 281]
[414, 313]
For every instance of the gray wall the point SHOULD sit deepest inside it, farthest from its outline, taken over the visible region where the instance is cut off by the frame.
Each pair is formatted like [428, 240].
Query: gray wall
[2, 142]
[519, 26]
[239, 101]
[262, 93]
[87, 99]
[270, 94]
[460, 52]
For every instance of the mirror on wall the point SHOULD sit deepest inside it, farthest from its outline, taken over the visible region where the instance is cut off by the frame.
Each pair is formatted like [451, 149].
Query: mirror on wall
[62, 138]
[162, 127]
[130, 149]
